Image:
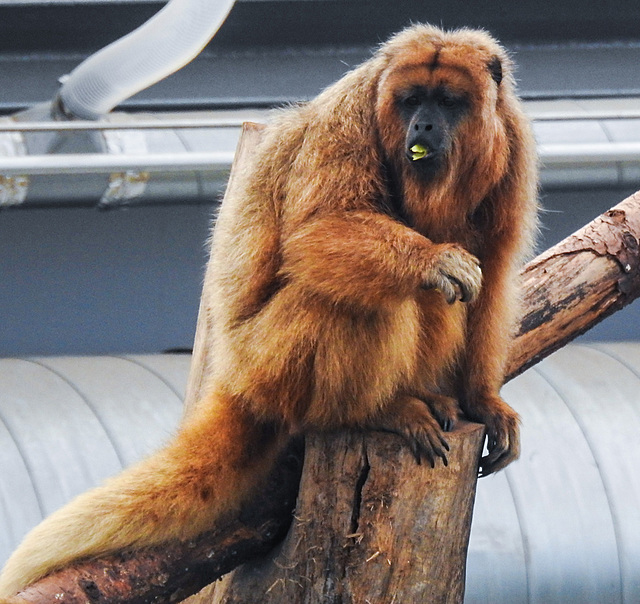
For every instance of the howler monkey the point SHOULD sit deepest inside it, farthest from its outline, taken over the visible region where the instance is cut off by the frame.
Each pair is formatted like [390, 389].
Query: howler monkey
[365, 276]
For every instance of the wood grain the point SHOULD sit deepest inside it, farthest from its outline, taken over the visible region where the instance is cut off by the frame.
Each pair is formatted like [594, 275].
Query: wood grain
[578, 283]
[370, 526]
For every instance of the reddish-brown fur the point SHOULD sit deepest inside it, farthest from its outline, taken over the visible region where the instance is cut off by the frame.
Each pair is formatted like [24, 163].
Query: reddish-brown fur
[323, 305]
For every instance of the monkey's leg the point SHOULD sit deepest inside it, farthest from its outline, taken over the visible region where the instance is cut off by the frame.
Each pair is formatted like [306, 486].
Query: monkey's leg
[410, 417]
[482, 372]
[206, 471]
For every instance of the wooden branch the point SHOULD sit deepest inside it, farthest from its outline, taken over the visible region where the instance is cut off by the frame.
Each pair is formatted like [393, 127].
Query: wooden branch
[577, 283]
[174, 571]
[567, 290]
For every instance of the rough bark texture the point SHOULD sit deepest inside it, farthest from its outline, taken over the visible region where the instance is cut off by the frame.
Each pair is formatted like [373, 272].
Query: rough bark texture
[578, 283]
[370, 524]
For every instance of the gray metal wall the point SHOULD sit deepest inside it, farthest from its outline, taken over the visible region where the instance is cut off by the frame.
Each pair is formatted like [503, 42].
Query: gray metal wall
[79, 281]
[83, 281]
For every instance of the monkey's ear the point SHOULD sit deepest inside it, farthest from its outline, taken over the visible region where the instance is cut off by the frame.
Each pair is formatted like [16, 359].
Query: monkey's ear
[495, 69]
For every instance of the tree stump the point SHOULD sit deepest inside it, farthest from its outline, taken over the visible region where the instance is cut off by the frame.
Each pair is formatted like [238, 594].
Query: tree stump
[370, 526]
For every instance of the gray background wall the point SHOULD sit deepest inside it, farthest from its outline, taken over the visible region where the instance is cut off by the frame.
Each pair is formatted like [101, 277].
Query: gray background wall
[83, 281]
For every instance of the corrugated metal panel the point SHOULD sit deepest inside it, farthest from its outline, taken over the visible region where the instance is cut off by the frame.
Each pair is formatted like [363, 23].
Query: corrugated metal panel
[559, 526]
[67, 423]
[562, 524]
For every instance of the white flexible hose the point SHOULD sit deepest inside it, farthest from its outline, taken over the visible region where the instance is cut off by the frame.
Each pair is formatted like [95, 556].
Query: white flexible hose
[158, 48]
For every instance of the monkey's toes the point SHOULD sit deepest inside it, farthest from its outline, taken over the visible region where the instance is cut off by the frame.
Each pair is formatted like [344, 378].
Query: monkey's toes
[503, 442]
[427, 444]
[444, 408]
[411, 418]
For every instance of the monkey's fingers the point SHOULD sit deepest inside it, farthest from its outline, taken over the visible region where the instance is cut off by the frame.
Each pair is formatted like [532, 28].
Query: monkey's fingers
[444, 285]
[456, 273]
[464, 290]
[445, 409]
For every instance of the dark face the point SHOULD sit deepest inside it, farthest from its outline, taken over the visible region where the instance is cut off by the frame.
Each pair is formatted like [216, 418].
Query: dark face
[430, 117]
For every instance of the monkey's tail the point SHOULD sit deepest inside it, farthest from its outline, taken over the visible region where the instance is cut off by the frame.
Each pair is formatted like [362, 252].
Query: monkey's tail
[218, 457]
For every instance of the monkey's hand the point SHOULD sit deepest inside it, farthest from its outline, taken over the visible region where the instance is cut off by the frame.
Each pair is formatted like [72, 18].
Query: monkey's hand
[453, 271]
[503, 433]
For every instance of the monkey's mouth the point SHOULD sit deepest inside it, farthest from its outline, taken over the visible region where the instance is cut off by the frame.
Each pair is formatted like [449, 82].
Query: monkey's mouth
[423, 158]
[418, 152]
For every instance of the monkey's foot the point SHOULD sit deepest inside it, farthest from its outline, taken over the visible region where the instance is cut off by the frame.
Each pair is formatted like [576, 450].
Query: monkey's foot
[411, 418]
[503, 433]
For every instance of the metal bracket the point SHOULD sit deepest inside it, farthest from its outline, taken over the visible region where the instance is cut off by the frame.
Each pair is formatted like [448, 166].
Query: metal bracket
[13, 188]
[127, 185]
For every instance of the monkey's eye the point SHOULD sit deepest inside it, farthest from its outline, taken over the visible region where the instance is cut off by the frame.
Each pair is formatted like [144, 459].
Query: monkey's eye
[412, 101]
[447, 101]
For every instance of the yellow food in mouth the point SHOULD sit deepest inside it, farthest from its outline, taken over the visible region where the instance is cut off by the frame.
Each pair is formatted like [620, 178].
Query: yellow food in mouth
[418, 152]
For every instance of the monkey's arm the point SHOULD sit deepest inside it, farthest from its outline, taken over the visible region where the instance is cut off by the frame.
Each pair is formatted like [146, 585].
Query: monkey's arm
[490, 322]
[509, 222]
[369, 259]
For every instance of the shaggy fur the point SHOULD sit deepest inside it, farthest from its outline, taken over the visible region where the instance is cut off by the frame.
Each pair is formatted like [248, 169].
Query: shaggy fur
[332, 269]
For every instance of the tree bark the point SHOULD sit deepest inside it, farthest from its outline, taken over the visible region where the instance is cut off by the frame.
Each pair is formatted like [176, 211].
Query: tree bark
[173, 571]
[370, 526]
[348, 530]
[578, 283]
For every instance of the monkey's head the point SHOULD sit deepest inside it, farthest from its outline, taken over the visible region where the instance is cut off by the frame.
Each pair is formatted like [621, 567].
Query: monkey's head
[438, 105]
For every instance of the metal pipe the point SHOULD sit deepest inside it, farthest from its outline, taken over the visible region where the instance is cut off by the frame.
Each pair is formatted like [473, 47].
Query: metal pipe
[115, 166]
[95, 163]
[84, 163]
[237, 122]
[85, 126]
[166, 158]
[584, 114]
[589, 153]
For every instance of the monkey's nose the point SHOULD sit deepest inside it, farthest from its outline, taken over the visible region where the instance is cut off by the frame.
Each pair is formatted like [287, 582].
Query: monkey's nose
[423, 126]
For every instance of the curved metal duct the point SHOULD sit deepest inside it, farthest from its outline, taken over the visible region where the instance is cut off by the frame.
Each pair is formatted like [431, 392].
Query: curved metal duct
[559, 526]
[68, 423]
[158, 48]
